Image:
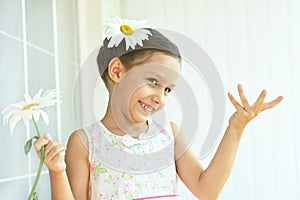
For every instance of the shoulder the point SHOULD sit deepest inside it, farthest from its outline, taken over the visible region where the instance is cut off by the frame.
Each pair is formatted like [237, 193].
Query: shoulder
[77, 149]
[77, 144]
[78, 137]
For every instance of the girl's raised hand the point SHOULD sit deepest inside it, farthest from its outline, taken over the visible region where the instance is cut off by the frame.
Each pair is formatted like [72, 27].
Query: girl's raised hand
[54, 153]
[245, 113]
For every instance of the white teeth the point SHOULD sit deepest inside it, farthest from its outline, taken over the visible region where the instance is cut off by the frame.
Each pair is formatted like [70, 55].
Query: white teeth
[146, 108]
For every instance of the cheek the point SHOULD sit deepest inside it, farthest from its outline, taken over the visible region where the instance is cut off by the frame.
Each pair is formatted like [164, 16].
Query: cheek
[140, 94]
[162, 102]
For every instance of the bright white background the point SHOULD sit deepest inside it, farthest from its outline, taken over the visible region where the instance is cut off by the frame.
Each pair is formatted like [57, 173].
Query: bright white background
[253, 42]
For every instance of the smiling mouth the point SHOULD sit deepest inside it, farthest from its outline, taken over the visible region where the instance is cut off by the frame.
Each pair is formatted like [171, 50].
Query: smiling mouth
[147, 108]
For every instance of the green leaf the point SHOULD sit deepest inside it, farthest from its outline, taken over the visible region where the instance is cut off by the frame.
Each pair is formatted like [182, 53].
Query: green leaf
[35, 195]
[139, 185]
[159, 175]
[28, 145]
[100, 169]
[114, 142]
[108, 180]
[126, 176]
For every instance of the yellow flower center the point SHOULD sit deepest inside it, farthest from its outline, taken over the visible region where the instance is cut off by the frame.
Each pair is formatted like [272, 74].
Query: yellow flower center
[27, 107]
[127, 30]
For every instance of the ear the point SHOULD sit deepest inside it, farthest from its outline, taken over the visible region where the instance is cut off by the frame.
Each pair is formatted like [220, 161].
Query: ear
[116, 69]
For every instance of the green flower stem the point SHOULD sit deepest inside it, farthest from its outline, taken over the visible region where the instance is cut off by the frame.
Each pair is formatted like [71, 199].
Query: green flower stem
[37, 128]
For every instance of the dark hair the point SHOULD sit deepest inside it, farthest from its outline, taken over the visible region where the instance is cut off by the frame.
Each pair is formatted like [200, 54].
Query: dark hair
[137, 57]
[157, 43]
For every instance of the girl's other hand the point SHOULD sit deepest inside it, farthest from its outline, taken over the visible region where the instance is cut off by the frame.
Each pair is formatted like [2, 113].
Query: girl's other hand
[245, 113]
[54, 153]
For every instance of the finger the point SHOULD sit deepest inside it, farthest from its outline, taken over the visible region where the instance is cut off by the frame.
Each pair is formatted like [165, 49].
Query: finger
[39, 143]
[234, 102]
[257, 106]
[243, 98]
[49, 147]
[272, 104]
[59, 156]
[57, 150]
[58, 161]
[48, 137]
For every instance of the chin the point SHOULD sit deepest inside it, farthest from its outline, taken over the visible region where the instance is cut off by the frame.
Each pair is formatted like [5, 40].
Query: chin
[139, 118]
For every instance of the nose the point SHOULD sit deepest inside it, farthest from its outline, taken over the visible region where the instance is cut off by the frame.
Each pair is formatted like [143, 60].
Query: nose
[159, 97]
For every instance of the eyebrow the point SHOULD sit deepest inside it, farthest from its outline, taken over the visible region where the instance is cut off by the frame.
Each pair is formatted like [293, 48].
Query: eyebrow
[161, 78]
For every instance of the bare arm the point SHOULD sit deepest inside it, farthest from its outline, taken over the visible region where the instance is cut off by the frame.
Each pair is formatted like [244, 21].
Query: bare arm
[207, 184]
[60, 187]
[78, 165]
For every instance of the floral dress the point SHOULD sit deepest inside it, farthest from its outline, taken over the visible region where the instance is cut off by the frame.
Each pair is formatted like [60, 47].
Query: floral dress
[127, 168]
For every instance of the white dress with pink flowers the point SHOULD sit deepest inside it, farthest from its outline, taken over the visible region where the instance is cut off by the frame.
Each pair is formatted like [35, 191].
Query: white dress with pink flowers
[127, 168]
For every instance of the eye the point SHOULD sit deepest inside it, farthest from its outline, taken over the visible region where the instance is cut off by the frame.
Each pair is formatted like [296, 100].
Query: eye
[153, 81]
[168, 90]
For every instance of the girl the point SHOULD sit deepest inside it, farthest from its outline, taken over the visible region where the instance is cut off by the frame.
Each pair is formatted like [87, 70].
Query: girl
[127, 154]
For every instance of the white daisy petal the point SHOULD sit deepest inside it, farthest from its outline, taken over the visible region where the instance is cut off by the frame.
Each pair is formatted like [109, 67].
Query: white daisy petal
[140, 43]
[49, 94]
[115, 41]
[118, 40]
[27, 98]
[9, 114]
[14, 120]
[129, 43]
[28, 115]
[111, 42]
[49, 98]
[45, 116]
[36, 115]
[26, 122]
[19, 105]
[7, 109]
[38, 95]
[144, 32]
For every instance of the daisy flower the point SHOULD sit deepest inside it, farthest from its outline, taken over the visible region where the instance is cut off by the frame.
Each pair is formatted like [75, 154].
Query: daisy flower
[134, 32]
[30, 109]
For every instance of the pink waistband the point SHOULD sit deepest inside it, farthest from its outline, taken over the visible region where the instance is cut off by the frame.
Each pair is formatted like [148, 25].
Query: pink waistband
[156, 197]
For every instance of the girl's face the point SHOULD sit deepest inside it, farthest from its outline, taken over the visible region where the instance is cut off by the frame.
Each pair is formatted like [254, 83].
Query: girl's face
[143, 90]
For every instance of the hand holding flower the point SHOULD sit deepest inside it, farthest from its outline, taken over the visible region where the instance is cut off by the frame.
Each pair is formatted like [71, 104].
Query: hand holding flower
[54, 153]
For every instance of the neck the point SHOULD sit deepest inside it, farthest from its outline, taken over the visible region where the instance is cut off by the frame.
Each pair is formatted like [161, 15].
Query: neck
[131, 128]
